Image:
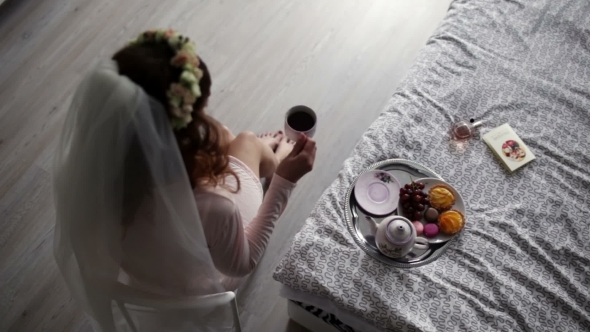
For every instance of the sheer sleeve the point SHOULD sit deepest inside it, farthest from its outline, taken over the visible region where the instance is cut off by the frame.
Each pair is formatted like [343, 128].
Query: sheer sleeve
[236, 249]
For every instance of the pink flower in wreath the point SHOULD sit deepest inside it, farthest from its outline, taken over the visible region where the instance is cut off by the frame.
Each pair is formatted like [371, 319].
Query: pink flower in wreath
[195, 61]
[169, 33]
[181, 58]
[189, 98]
[178, 90]
[177, 112]
[187, 109]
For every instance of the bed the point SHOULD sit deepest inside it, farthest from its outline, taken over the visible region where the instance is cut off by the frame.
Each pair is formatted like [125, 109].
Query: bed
[522, 263]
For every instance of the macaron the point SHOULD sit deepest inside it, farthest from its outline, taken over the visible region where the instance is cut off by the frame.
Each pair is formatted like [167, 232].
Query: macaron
[431, 215]
[419, 227]
[430, 230]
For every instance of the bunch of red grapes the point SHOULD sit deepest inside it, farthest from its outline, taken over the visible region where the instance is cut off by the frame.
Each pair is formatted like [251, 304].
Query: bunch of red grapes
[414, 200]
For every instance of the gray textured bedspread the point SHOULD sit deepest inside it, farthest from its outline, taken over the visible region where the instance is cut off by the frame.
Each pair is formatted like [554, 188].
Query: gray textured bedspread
[523, 261]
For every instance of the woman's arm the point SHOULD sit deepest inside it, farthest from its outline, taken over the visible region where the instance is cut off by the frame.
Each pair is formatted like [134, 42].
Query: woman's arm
[236, 250]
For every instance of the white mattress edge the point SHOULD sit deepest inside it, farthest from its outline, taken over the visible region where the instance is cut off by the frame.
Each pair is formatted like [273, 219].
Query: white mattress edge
[346, 317]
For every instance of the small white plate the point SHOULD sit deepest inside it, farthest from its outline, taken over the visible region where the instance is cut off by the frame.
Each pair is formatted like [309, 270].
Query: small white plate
[377, 192]
[459, 206]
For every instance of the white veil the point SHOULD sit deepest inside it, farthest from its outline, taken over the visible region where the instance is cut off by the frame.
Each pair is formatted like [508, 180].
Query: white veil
[110, 115]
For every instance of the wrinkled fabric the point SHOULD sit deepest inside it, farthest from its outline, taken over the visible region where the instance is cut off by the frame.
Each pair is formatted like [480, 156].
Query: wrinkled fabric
[522, 262]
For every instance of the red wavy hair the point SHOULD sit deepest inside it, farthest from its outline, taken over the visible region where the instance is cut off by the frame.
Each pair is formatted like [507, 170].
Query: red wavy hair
[202, 143]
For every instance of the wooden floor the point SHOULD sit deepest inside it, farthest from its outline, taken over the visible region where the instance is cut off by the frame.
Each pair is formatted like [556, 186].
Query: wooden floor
[343, 58]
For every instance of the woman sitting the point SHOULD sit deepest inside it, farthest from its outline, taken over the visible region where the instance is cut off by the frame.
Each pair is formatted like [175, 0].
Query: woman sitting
[151, 191]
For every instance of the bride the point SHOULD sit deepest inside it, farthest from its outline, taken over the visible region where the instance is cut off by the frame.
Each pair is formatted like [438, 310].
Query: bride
[153, 193]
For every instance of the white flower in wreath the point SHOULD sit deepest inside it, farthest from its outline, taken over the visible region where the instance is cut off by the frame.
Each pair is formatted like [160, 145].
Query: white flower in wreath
[198, 73]
[174, 40]
[175, 101]
[160, 34]
[188, 78]
[190, 47]
[196, 90]
[188, 67]
[177, 123]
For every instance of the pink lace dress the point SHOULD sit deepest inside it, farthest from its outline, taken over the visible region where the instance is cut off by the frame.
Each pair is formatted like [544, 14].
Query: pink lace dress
[237, 228]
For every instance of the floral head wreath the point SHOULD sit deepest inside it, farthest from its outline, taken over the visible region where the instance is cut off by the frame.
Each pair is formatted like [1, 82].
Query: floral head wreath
[184, 93]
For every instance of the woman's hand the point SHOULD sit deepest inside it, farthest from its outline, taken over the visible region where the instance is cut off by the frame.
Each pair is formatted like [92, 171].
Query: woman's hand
[300, 161]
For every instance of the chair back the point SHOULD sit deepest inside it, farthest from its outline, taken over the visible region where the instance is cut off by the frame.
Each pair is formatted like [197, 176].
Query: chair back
[128, 299]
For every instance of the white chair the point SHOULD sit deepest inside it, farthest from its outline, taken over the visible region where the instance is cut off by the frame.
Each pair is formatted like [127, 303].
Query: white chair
[128, 296]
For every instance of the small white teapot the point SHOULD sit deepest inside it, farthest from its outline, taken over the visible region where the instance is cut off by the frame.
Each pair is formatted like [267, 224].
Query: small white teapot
[395, 236]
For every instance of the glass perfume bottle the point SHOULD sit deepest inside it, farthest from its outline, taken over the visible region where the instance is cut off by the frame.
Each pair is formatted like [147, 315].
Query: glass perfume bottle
[463, 130]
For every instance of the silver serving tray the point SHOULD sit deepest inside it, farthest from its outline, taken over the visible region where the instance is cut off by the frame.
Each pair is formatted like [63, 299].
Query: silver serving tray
[405, 171]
